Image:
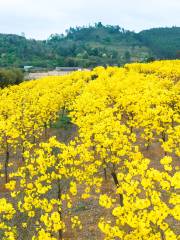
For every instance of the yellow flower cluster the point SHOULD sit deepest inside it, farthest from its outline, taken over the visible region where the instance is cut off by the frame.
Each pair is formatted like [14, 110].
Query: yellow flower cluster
[105, 201]
[76, 223]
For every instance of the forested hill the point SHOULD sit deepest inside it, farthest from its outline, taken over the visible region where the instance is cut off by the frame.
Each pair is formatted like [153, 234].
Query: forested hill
[163, 42]
[90, 46]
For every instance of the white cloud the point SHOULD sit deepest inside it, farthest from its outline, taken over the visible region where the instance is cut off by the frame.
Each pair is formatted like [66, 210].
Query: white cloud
[40, 18]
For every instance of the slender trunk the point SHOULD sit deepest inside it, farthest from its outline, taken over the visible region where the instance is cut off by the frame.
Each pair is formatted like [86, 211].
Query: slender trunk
[164, 136]
[23, 150]
[132, 117]
[105, 174]
[162, 234]
[148, 145]
[6, 162]
[50, 123]
[113, 174]
[34, 139]
[45, 130]
[172, 123]
[164, 140]
[63, 111]
[59, 211]
[131, 129]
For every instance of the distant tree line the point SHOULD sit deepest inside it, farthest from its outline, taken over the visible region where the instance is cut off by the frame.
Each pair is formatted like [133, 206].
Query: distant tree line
[89, 46]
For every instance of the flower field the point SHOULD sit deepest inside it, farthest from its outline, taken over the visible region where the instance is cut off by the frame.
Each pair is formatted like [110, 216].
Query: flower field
[101, 145]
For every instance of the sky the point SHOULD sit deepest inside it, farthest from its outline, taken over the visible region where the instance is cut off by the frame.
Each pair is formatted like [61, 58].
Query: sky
[40, 18]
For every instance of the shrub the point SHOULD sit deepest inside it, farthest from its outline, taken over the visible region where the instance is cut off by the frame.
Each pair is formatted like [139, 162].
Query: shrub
[10, 77]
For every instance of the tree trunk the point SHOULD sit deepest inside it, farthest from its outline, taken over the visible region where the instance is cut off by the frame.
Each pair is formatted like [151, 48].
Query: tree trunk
[63, 112]
[162, 234]
[6, 162]
[45, 130]
[105, 174]
[23, 150]
[164, 140]
[113, 174]
[59, 211]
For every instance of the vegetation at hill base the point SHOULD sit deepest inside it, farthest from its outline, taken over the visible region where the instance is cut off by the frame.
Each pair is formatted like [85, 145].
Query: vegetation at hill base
[90, 46]
[124, 126]
[10, 77]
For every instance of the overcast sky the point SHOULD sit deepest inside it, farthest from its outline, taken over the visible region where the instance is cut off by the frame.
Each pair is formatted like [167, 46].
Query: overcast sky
[40, 18]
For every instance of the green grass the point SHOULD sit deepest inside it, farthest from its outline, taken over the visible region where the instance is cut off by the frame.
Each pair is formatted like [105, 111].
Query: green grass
[63, 121]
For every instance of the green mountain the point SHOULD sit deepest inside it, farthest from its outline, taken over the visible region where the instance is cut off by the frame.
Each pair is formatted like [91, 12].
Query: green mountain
[90, 46]
[163, 42]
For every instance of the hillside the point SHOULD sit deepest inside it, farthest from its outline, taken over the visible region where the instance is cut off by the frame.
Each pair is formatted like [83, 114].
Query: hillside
[163, 42]
[90, 46]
